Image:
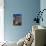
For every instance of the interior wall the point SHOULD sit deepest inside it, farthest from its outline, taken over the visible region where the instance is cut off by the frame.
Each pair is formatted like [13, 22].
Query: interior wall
[43, 6]
[28, 9]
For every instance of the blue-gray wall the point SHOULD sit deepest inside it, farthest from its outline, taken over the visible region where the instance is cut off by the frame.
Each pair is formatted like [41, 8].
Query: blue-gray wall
[27, 8]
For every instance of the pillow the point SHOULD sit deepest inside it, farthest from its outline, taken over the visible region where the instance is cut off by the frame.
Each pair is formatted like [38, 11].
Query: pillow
[21, 42]
[10, 43]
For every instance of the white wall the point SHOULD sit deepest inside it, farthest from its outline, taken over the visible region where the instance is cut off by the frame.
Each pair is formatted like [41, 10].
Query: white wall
[1, 21]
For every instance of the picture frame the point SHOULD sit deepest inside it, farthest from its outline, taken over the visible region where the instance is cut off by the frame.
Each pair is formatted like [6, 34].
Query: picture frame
[17, 19]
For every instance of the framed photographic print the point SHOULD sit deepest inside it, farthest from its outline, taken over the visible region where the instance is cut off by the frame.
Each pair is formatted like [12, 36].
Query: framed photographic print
[17, 19]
